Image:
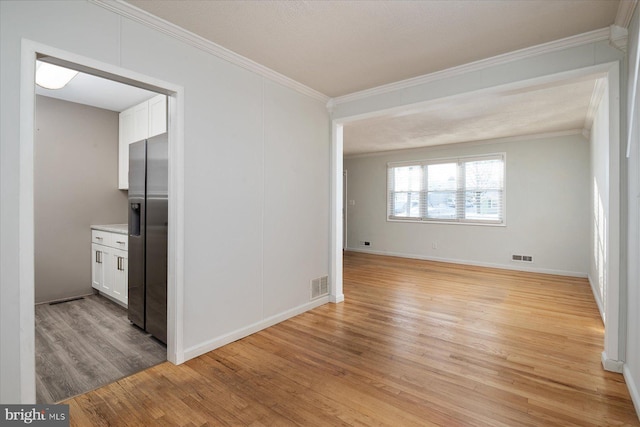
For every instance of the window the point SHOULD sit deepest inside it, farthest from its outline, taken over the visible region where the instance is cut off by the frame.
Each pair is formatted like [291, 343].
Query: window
[467, 190]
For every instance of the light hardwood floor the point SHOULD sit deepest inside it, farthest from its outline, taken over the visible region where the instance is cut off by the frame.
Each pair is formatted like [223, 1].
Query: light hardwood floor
[416, 343]
[88, 343]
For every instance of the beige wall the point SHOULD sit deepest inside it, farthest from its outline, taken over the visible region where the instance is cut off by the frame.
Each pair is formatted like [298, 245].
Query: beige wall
[75, 179]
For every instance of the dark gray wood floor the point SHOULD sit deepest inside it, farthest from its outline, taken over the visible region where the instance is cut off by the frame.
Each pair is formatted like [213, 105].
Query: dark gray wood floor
[85, 344]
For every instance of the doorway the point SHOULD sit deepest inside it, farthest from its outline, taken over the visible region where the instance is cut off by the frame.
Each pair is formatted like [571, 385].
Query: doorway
[32, 51]
[613, 354]
[83, 339]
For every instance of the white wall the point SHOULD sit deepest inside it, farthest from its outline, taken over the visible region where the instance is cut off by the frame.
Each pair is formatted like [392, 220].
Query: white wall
[632, 364]
[253, 239]
[547, 198]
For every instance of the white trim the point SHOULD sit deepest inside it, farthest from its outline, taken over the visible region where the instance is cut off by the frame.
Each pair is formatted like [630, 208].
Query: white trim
[218, 342]
[611, 365]
[634, 100]
[474, 263]
[618, 37]
[614, 310]
[175, 273]
[633, 388]
[335, 239]
[625, 13]
[345, 207]
[26, 226]
[596, 296]
[175, 235]
[138, 15]
[573, 41]
[594, 103]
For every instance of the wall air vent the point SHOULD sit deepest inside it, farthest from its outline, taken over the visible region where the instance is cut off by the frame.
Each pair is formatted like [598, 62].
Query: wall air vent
[522, 258]
[319, 287]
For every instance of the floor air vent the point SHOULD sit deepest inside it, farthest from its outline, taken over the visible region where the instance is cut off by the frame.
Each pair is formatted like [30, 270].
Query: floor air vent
[319, 287]
[66, 300]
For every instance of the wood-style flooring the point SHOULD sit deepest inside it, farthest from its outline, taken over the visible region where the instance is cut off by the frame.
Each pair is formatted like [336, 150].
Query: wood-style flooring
[416, 343]
[87, 343]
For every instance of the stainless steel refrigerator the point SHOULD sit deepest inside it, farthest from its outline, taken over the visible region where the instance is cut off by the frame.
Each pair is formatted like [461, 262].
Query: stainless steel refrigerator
[148, 185]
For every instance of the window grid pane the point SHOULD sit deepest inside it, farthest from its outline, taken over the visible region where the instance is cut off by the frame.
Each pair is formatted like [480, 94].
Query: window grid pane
[483, 185]
[466, 190]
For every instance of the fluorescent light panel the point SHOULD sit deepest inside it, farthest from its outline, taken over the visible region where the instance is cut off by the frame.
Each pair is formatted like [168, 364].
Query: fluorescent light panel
[51, 76]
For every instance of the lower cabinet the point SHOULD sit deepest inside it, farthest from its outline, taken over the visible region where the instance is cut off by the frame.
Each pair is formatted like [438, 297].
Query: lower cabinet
[109, 265]
[118, 267]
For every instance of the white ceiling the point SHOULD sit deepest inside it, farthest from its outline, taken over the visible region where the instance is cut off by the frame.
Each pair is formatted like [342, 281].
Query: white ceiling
[340, 47]
[562, 106]
[98, 92]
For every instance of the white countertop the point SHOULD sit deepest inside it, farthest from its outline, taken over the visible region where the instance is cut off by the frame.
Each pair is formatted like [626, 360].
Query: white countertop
[112, 228]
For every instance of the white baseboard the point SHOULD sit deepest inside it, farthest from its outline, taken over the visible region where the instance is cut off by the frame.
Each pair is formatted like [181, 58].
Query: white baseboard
[207, 346]
[611, 364]
[596, 295]
[475, 263]
[336, 298]
[633, 388]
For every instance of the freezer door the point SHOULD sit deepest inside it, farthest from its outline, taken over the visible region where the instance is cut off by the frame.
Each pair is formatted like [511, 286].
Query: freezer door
[156, 250]
[137, 216]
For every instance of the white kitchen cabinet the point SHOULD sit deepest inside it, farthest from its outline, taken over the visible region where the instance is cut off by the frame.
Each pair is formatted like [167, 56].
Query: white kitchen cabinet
[139, 122]
[118, 268]
[99, 254]
[109, 266]
[157, 115]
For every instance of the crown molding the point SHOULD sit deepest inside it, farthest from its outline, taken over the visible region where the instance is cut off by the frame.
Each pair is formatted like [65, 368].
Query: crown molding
[553, 46]
[129, 11]
[625, 13]
[618, 37]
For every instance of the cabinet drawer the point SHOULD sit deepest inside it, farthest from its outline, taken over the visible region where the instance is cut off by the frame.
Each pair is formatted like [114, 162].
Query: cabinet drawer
[101, 237]
[120, 241]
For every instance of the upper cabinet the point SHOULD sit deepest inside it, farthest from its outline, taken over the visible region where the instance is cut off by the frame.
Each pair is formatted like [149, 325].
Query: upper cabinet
[157, 115]
[137, 123]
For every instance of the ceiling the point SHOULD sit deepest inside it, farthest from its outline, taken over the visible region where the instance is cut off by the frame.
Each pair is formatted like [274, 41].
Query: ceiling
[340, 47]
[98, 92]
[562, 106]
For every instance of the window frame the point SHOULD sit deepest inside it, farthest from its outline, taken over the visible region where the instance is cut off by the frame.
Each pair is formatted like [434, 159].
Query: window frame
[460, 191]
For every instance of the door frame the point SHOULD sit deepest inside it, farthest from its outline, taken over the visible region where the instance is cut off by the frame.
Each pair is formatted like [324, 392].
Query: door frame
[615, 328]
[30, 51]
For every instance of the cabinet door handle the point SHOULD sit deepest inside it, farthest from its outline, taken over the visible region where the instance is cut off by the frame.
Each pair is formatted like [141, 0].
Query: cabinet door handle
[98, 238]
[119, 242]
[99, 257]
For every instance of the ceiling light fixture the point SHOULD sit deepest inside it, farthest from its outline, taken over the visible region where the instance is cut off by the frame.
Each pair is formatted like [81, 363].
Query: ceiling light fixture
[51, 76]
